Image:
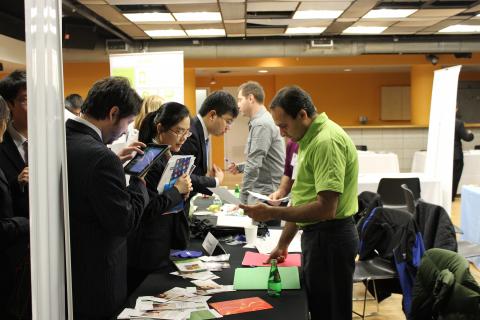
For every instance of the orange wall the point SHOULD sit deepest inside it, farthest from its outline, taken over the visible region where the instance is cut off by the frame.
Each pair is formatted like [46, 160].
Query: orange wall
[346, 96]
[343, 96]
[79, 77]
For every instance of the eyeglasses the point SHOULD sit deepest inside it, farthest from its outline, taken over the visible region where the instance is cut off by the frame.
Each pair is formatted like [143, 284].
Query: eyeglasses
[181, 134]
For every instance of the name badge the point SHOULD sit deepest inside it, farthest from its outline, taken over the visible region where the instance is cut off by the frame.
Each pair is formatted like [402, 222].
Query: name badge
[294, 160]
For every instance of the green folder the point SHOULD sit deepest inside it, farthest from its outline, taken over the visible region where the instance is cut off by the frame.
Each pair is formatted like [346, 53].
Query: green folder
[257, 278]
[201, 315]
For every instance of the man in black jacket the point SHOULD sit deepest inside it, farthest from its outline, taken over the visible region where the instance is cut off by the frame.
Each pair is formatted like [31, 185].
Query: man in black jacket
[14, 148]
[460, 134]
[215, 117]
[103, 210]
[14, 302]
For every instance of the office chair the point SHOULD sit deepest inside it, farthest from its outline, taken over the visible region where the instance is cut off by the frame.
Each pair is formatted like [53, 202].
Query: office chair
[409, 198]
[390, 191]
[361, 147]
[468, 249]
[371, 270]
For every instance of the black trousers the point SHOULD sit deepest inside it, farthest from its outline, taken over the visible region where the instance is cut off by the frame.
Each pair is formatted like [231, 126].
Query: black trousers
[457, 174]
[328, 252]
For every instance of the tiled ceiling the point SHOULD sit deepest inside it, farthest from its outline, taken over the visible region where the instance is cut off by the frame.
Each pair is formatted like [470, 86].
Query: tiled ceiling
[256, 18]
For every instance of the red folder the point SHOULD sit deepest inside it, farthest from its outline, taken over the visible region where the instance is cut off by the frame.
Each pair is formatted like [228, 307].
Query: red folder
[240, 306]
[257, 260]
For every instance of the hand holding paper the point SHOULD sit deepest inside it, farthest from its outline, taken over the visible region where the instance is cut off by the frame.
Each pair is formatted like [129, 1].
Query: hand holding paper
[258, 212]
[266, 198]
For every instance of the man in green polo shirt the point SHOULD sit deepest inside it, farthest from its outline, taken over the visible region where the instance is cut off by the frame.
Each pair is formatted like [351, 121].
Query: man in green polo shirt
[324, 198]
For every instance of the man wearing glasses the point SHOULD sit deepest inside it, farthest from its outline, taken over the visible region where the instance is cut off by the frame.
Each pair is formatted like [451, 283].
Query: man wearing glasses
[265, 148]
[215, 117]
[14, 149]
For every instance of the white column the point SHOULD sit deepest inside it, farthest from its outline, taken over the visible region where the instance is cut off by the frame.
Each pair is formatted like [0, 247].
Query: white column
[47, 160]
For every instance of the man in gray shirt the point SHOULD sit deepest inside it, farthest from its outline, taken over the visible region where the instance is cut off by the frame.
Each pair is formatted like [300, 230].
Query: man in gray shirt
[265, 148]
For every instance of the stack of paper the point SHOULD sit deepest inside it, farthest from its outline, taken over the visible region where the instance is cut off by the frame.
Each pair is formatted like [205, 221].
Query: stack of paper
[174, 304]
[190, 265]
[211, 287]
[204, 275]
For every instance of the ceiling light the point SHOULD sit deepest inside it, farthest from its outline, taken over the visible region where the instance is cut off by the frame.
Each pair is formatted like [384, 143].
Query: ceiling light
[205, 32]
[461, 28]
[305, 30]
[213, 81]
[165, 33]
[198, 16]
[149, 17]
[389, 13]
[364, 30]
[317, 14]
[347, 70]
[262, 71]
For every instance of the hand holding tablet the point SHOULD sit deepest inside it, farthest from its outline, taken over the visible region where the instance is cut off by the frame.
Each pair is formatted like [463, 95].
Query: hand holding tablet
[140, 164]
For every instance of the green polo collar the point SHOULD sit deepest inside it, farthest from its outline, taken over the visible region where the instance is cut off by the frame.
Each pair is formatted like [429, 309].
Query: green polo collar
[313, 130]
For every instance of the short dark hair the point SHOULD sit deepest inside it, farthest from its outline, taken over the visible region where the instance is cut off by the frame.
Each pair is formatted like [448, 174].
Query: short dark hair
[73, 101]
[292, 99]
[12, 84]
[110, 92]
[254, 88]
[220, 101]
[168, 115]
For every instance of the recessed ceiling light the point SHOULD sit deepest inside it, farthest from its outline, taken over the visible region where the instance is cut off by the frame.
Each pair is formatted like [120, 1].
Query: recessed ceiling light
[198, 16]
[165, 33]
[389, 13]
[305, 30]
[205, 32]
[149, 17]
[461, 28]
[262, 71]
[317, 14]
[364, 30]
[347, 70]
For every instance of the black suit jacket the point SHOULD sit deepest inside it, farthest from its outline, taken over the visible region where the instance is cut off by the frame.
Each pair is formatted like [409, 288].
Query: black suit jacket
[13, 247]
[11, 162]
[460, 134]
[195, 145]
[103, 211]
[149, 247]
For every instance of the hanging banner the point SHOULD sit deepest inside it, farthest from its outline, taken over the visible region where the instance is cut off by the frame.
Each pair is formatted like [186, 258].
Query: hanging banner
[159, 73]
[441, 130]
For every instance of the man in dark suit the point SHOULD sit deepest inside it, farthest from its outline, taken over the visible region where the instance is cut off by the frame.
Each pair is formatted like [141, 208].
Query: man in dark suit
[460, 134]
[14, 302]
[215, 117]
[103, 210]
[14, 148]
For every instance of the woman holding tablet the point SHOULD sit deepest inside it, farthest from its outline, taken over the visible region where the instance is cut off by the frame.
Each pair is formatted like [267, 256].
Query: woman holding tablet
[149, 247]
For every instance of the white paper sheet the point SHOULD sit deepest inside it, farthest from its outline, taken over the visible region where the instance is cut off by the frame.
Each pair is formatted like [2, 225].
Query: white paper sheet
[267, 244]
[225, 195]
[266, 198]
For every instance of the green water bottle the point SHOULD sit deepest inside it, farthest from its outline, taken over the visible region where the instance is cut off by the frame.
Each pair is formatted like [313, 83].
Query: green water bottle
[274, 280]
[237, 191]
